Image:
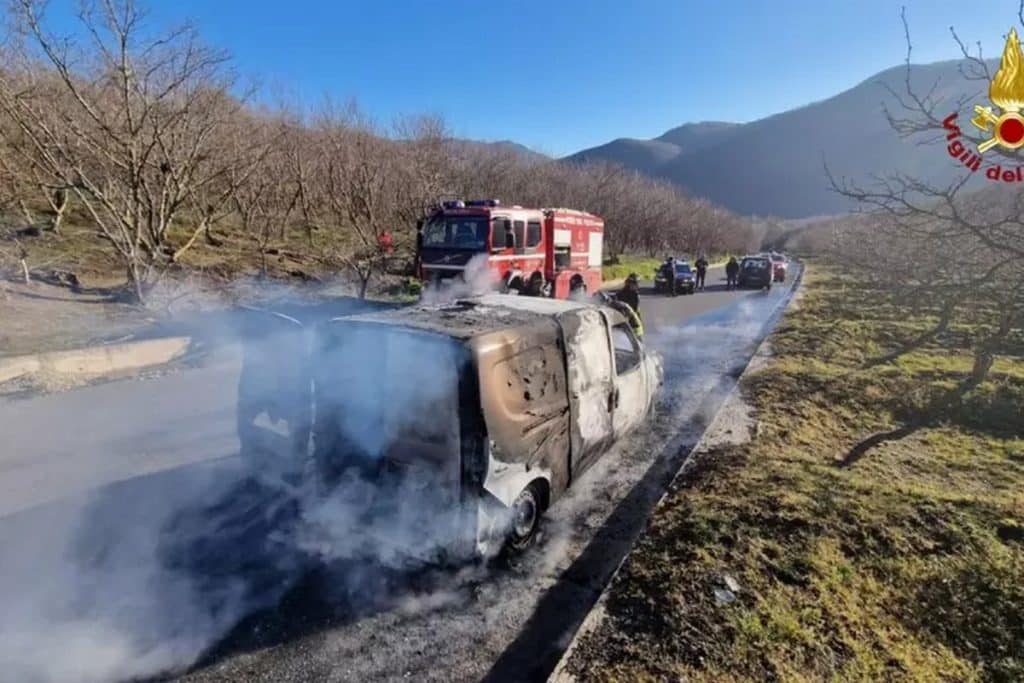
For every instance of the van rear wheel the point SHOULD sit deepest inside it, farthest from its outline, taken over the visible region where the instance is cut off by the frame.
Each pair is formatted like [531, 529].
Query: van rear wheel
[526, 515]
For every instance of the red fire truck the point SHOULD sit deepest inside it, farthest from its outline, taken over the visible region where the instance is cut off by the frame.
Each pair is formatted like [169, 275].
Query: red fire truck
[538, 252]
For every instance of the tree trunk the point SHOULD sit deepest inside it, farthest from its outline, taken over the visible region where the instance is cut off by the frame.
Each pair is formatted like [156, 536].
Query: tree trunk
[60, 205]
[212, 239]
[138, 288]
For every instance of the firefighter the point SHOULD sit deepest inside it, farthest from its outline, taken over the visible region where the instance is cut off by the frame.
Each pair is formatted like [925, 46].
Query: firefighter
[630, 295]
[630, 292]
[732, 272]
[702, 271]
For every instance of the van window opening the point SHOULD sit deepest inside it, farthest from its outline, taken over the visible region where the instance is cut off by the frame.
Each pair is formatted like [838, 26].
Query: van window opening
[627, 351]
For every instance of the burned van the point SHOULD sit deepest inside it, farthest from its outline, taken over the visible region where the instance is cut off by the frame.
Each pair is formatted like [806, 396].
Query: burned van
[457, 425]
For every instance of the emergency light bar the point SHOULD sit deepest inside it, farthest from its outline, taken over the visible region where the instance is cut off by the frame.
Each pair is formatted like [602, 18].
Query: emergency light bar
[483, 202]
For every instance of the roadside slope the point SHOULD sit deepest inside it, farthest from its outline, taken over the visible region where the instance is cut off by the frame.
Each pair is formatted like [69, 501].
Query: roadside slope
[768, 561]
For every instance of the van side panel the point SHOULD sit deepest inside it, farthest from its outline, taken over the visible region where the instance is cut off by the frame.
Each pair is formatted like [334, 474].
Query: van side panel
[524, 399]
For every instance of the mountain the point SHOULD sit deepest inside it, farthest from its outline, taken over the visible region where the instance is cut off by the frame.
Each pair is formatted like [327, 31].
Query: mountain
[775, 165]
[648, 156]
[522, 152]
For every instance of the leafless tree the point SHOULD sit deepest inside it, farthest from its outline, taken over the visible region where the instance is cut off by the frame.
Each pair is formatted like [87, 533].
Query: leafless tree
[130, 122]
[954, 246]
[142, 136]
[265, 202]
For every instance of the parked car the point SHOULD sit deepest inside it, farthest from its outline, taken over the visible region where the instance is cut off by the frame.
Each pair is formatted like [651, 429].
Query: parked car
[684, 275]
[756, 272]
[466, 420]
[780, 266]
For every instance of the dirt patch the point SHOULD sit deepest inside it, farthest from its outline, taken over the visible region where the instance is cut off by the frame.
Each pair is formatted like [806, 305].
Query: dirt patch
[41, 317]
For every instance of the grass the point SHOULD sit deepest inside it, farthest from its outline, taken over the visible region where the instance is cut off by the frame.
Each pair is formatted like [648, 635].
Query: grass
[908, 565]
[625, 264]
[644, 266]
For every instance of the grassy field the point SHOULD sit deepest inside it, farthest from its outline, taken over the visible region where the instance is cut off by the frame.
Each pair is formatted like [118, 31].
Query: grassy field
[643, 266]
[908, 565]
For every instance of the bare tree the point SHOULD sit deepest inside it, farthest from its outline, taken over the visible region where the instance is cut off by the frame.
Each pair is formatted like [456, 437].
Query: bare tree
[130, 123]
[266, 202]
[957, 247]
[364, 190]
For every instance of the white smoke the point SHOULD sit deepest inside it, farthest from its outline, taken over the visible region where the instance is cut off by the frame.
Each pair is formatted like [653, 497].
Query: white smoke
[90, 594]
[143, 577]
[477, 278]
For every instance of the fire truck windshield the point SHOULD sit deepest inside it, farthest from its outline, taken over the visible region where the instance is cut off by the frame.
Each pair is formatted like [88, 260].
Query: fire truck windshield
[457, 232]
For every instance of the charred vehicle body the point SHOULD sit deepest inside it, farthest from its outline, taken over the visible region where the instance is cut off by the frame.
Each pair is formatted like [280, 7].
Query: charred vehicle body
[457, 423]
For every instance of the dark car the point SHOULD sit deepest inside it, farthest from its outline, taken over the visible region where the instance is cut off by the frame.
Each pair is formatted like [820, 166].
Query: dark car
[685, 278]
[756, 272]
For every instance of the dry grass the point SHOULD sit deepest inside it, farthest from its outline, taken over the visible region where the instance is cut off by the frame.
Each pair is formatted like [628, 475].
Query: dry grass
[907, 566]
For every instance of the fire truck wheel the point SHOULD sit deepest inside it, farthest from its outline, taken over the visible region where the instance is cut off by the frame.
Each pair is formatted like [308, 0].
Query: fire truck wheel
[537, 285]
[577, 286]
[516, 286]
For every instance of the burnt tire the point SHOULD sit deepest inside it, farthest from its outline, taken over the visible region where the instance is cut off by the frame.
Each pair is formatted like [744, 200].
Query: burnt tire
[526, 515]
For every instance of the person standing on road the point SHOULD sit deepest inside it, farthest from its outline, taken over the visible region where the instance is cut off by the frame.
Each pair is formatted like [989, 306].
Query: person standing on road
[732, 273]
[668, 270]
[702, 271]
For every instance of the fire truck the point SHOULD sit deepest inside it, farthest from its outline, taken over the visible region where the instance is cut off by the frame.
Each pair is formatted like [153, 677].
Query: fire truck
[536, 252]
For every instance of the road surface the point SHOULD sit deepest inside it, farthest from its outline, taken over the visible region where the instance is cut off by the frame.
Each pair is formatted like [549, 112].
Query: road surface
[117, 461]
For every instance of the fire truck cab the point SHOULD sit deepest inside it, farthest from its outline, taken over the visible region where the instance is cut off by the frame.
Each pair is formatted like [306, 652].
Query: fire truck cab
[538, 252]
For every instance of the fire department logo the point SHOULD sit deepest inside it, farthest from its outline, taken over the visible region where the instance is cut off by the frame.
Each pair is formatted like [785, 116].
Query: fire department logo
[1007, 92]
[1003, 123]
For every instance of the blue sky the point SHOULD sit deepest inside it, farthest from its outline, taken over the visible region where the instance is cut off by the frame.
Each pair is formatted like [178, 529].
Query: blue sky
[561, 75]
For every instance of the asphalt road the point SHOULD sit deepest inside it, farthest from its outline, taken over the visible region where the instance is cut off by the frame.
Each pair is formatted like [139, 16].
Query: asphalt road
[119, 460]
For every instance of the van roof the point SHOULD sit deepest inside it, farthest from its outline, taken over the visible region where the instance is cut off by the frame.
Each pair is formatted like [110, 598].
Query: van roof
[470, 317]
